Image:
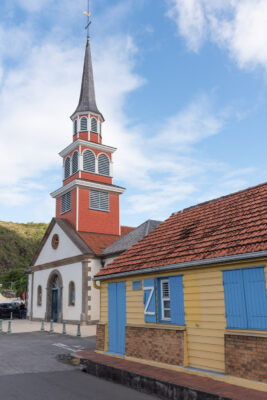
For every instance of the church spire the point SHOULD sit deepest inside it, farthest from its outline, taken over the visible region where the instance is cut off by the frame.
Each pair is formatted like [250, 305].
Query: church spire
[87, 101]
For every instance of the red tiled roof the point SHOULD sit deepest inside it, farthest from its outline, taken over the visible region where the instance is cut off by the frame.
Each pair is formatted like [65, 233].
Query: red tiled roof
[98, 241]
[231, 225]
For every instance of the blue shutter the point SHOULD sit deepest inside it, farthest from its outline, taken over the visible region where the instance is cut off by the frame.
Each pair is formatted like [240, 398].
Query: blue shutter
[235, 306]
[121, 317]
[256, 297]
[177, 300]
[149, 300]
[112, 317]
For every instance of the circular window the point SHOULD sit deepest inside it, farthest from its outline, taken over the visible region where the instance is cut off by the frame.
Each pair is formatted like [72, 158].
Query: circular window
[55, 241]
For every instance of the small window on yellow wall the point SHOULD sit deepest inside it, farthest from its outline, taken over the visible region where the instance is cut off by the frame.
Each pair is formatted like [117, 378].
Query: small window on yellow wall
[71, 294]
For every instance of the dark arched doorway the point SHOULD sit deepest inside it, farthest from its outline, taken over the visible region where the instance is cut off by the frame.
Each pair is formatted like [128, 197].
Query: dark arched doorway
[54, 297]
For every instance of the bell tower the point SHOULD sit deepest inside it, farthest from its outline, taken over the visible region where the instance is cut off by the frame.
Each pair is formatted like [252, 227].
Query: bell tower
[87, 198]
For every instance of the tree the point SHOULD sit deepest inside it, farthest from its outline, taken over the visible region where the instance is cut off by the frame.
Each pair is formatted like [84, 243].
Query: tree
[20, 285]
[15, 279]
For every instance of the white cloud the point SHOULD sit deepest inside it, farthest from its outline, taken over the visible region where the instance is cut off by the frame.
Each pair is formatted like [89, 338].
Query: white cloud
[192, 124]
[237, 25]
[33, 5]
[191, 22]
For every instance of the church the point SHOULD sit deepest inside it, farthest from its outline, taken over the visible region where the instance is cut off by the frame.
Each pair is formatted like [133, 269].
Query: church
[81, 238]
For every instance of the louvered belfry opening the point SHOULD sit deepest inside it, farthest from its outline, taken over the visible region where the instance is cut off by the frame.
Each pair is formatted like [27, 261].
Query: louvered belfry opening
[89, 161]
[75, 127]
[75, 162]
[94, 125]
[67, 168]
[66, 202]
[99, 200]
[103, 165]
[84, 124]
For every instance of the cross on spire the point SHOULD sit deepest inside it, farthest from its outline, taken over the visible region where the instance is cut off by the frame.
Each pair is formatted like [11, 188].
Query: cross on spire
[88, 14]
[87, 101]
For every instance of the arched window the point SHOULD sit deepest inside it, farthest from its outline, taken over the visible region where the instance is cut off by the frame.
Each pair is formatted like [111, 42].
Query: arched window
[75, 157]
[75, 127]
[71, 294]
[89, 161]
[83, 124]
[67, 168]
[39, 295]
[94, 125]
[103, 164]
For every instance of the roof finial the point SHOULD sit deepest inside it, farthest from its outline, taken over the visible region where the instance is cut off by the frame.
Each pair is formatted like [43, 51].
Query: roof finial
[88, 14]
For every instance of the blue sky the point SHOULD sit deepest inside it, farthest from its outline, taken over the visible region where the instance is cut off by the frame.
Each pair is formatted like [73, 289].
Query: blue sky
[181, 83]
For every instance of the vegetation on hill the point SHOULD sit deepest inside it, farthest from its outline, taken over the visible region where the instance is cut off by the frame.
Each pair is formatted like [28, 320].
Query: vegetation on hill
[14, 281]
[18, 243]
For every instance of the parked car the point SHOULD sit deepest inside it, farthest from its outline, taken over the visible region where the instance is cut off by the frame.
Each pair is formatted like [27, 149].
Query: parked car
[7, 308]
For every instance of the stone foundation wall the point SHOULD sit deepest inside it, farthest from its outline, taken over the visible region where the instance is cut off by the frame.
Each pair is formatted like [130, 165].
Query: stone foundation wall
[100, 337]
[246, 357]
[156, 344]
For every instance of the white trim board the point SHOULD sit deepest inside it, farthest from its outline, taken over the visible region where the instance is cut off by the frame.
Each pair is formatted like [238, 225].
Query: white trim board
[86, 184]
[86, 143]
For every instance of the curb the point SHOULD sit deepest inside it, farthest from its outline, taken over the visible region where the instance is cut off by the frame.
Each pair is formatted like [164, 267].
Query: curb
[162, 389]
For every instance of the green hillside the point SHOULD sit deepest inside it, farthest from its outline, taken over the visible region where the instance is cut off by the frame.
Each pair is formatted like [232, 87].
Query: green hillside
[18, 243]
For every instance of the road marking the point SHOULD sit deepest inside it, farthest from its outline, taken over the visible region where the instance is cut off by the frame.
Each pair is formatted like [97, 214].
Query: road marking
[67, 348]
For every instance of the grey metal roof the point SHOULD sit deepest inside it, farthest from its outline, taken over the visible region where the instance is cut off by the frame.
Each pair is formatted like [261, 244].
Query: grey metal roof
[131, 238]
[87, 100]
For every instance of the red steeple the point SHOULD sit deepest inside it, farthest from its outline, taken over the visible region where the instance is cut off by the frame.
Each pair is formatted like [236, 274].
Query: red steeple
[87, 198]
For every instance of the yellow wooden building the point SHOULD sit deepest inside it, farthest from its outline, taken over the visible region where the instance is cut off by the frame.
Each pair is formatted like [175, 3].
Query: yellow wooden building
[192, 294]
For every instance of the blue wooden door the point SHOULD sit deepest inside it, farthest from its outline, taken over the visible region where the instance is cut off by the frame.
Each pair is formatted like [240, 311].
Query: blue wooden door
[55, 305]
[116, 317]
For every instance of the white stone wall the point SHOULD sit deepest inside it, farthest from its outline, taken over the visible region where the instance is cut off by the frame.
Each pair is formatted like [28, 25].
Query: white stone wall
[71, 272]
[94, 293]
[66, 248]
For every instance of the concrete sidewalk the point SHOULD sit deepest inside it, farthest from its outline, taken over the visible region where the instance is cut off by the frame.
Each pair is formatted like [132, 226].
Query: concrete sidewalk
[24, 326]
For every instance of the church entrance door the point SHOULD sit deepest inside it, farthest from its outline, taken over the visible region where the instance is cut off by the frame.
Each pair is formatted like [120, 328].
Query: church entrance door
[55, 303]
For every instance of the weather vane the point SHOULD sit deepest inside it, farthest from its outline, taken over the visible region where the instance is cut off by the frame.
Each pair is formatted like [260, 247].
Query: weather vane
[88, 14]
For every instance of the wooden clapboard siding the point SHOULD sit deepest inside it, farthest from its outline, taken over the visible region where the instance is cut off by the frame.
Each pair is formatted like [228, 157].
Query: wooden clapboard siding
[104, 303]
[206, 306]
[204, 311]
[134, 304]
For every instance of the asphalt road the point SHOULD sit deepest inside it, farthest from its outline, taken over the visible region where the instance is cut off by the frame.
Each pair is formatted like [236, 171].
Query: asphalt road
[29, 370]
